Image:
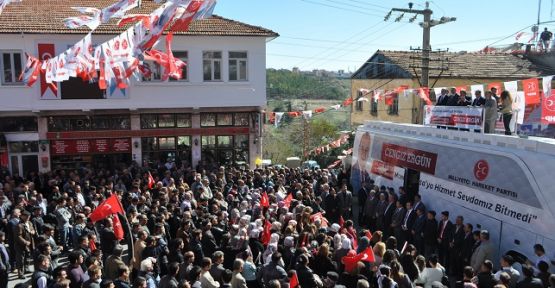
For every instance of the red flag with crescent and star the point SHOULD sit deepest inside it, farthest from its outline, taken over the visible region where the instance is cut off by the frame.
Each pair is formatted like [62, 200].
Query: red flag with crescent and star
[108, 207]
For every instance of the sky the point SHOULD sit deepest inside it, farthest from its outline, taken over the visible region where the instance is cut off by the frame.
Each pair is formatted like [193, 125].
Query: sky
[343, 34]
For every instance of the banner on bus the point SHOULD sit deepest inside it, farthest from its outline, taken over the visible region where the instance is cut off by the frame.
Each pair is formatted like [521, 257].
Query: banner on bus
[454, 116]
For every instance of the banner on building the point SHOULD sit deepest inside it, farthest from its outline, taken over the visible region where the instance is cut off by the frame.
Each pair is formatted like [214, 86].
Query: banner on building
[548, 109]
[453, 116]
[47, 90]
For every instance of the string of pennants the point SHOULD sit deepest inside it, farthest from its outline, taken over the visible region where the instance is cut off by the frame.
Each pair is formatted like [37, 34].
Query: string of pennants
[276, 117]
[343, 139]
[113, 62]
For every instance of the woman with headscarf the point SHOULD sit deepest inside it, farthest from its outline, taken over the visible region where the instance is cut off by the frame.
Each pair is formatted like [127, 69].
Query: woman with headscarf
[271, 249]
[342, 252]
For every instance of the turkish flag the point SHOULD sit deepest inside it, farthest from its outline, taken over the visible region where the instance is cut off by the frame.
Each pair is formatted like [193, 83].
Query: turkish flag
[264, 201]
[531, 90]
[341, 221]
[294, 281]
[266, 234]
[47, 51]
[366, 256]
[287, 200]
[151, 181]
[108, 207]
[118, 229]
[348, 102]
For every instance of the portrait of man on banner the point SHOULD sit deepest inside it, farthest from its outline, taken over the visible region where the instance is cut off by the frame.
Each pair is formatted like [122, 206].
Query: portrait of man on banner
[359, 173]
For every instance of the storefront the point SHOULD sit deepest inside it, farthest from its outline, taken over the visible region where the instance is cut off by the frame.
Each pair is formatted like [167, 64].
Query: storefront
[97, 153]
[19, 146]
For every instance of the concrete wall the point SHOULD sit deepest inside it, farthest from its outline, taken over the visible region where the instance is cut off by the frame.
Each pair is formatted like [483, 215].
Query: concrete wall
[193, 93]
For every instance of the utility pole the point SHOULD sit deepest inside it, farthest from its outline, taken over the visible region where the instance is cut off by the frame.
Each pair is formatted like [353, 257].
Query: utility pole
[426, 47]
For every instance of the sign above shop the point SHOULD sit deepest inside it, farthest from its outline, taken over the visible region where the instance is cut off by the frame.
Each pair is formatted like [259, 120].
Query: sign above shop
[90, 146]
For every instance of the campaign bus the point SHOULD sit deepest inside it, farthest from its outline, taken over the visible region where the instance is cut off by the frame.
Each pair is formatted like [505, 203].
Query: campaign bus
[504, 184]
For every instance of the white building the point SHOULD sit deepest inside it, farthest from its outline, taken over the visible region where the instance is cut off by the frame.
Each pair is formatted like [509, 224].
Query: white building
[212, 116]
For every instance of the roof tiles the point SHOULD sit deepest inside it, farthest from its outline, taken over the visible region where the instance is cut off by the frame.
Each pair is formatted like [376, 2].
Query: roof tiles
[46, 17]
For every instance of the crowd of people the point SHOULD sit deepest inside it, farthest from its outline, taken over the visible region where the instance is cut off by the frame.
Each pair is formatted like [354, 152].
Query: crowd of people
[233, 227]
[493, 105]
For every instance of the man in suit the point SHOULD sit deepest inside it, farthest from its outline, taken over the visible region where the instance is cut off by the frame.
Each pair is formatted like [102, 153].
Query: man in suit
[468, 244]
[445, 231]
[455, 248]
[417, 230]
[408, 221]
[479, 100]
[430, 234]
[442, 98]
[370, 207]
[237, 280]
[380, 212]
[483, 252]
[418, 204]
[397, 222]
[388, 215]
[453, 99]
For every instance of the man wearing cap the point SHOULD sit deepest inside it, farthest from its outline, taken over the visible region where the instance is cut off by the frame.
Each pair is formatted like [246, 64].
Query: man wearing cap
[24, 234]
[113, 263]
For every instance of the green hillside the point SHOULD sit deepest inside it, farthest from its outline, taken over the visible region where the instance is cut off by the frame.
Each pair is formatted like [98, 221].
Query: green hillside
[284, 84]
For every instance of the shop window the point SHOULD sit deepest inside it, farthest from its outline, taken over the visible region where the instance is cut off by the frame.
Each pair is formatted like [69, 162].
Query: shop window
[224, 119]
[225, 141]
[149, 121]
[149, 144]
[152, 121]
[183, 56]
[207, 119]
[18, 124]
[208, 141]
[11, 67]
[166, 120]
[166, 143]
[225, 150]
[242, 119]
[23, 147]
[238, 66]
[242, 141]
[183, 142]
[212, 65]
[183, 120]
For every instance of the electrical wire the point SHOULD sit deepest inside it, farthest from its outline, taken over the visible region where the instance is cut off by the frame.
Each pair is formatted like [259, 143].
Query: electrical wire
[360, 7]
[340, 8]
[369, 4]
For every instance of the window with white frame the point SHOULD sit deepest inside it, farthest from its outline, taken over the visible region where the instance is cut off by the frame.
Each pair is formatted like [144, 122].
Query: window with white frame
[238, 66]
[12, 66]
[183, 56]
[212, 65]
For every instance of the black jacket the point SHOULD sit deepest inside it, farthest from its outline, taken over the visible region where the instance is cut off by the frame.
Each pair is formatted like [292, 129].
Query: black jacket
[430, 232]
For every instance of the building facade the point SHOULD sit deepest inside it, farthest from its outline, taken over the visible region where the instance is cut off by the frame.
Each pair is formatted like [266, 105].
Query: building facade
[210, 117]
[388, 70]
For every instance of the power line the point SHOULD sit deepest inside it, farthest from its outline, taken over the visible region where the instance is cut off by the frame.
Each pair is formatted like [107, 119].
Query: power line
[331, 48]
[340, 8]
[356, 6]
[369, 4]
[325, 47]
